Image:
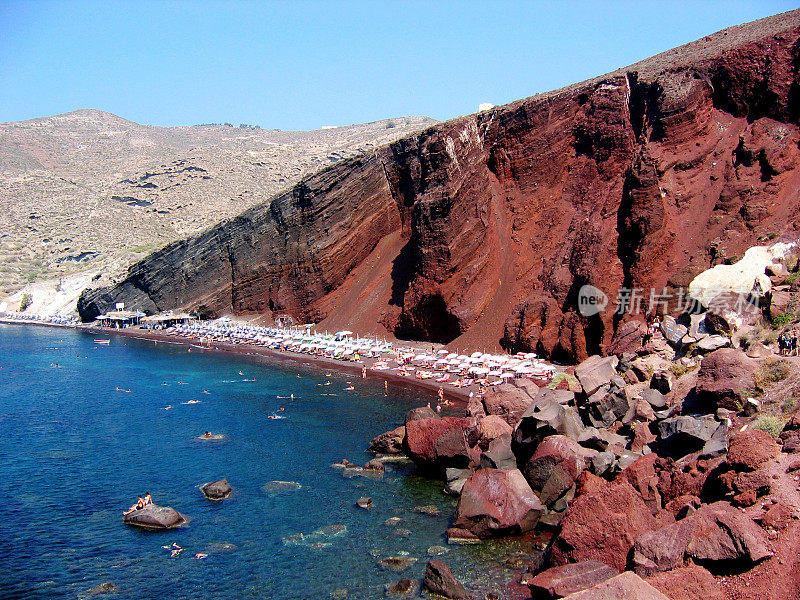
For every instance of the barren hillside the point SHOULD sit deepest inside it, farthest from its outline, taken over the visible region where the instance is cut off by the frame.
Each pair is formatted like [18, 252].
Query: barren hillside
[88, 190]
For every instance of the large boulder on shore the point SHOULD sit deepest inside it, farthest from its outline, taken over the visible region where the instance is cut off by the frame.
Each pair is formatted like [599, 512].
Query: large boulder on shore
[595, 372]
[155, 518]
[625, 586]
[555, 466]
[692, 582]
[499, 454]
[490, 428]
[507, 401]
[390, 442]
[216, 490]
[542, 419]
[440, 443]
[715, 533]
[421, 412]
[496, 503]
[602, 524]
[558, 582]
[724, 379]
[439, 579]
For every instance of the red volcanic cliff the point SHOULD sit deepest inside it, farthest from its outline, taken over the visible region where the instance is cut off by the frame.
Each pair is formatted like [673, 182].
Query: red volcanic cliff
[480, 231]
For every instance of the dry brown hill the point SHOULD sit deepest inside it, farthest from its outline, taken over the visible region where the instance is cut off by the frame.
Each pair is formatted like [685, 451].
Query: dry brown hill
[88, 190]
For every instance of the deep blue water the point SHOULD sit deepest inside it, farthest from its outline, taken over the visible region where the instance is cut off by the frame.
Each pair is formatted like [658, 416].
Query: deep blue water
[75, 451]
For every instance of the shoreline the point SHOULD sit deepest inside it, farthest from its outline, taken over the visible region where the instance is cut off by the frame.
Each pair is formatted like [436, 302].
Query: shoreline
[457, 395]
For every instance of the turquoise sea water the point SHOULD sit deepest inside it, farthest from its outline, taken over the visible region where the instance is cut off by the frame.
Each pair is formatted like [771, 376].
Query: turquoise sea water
[76, 448]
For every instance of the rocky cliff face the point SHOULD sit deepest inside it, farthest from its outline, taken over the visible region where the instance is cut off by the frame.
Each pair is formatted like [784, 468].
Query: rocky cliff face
[480, 231]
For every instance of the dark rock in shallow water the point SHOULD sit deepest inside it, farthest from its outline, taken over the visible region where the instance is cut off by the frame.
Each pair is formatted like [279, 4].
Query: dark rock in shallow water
[403, 589]
[456, 535]
[429, 509]
[364, 502]
[375, 465]
[155, 518]
[397, 564]
[390, 442]
[104, 588]
[440, 580]
[214, 437]
[216, 490]
[278, 487]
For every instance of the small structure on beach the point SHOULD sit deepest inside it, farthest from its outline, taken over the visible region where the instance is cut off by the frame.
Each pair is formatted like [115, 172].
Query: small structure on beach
[166, 320]
[120, 318]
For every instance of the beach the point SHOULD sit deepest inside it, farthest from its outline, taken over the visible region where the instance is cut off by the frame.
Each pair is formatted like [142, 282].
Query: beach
[285, 359]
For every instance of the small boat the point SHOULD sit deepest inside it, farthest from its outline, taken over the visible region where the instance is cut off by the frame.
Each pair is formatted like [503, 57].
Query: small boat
[102, 341]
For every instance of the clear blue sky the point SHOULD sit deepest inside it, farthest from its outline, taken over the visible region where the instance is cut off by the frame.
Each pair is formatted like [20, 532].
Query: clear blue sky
[305, 64]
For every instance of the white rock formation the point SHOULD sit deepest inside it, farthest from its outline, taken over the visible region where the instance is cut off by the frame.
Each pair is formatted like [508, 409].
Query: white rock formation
[745, 276]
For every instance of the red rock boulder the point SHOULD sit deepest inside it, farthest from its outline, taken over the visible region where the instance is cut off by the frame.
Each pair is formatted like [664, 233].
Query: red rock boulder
[390, 442]
[751, 449]
[507, 401]
[555, 466]
[715, 533]
[603, 525]
[692, 582]
[440, 443]
[625, 586]
[558, 582]
[497, 503]
[490, 428]
[724, 378]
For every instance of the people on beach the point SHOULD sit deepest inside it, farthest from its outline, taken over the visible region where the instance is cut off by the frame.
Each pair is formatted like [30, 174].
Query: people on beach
[364, 372]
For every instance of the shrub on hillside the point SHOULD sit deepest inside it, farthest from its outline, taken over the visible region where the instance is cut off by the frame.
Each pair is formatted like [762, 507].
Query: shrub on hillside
[772, 424]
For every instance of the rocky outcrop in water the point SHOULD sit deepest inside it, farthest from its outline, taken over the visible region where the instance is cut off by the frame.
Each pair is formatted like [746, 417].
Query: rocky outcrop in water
[155, 518]
[483, 229]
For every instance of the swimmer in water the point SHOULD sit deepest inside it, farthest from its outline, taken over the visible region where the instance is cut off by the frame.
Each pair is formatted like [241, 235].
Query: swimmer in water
[192, 402]
[200, 555]
[349, 389]
[205, 391]
[167, 407]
